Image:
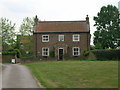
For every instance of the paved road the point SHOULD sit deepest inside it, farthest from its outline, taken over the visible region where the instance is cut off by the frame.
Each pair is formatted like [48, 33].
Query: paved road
[0, 76]
[17, 76]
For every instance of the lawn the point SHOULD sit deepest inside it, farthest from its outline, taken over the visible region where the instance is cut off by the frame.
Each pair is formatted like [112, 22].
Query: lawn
[76, 74]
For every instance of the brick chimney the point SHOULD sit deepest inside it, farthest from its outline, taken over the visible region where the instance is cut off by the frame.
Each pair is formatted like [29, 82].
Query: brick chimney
[87, 19]
[36, 20]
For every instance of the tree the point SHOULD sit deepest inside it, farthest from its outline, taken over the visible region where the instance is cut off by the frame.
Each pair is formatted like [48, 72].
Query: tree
[25, 38]
[8, 33]
[27, 27]
[107, 24]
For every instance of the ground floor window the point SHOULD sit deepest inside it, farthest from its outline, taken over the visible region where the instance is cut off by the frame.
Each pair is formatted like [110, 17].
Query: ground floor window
[76, 51]
[45, 51]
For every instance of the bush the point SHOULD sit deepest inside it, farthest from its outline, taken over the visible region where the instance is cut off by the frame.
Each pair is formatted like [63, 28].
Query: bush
[9, 52]
[52, 54]
[86, 53]
[107, 54]
[12, 52]
[18, 53]
[92, 47]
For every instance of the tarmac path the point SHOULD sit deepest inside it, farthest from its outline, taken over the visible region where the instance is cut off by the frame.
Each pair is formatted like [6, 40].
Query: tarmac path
[17, 76]
[0, 76]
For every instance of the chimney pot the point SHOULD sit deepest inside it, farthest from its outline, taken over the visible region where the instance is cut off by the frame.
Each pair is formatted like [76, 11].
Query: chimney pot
[87, 19]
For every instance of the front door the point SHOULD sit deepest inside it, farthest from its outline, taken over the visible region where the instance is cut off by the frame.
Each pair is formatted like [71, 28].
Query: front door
[60, 52]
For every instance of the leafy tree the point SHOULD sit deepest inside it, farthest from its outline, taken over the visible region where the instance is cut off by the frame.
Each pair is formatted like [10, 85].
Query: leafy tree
[8, 33]
[28, 24]
[26, 33]
[27, 27]
[107, 24]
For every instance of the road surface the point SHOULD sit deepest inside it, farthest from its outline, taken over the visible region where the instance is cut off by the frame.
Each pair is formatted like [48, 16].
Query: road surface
[17, 76]
[0, 76]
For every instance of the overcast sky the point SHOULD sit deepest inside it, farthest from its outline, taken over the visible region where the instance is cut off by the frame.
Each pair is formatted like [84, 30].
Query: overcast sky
[52, 10]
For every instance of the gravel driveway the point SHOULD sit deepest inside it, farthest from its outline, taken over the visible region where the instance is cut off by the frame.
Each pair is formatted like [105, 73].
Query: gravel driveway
[17, 76]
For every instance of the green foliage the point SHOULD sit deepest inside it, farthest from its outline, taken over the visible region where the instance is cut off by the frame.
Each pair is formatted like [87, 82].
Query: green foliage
[9, 52]
[92, 47]
[27, 26]
[107, 54]
[12, 52]
[86, 53]
[25, 43]
[108, 30]
[52, 53]
[18, 53]
[8, 33]
[98, 46]
[25, 38]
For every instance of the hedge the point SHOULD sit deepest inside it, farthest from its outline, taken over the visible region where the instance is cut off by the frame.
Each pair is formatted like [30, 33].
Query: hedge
[9, 52]
[107, 54]
[12, 52]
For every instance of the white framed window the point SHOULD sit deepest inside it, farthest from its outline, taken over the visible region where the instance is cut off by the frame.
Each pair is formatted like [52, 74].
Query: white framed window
[61, 38]
[76, 37]
[45, 51]
[45, 38]
[76, 51]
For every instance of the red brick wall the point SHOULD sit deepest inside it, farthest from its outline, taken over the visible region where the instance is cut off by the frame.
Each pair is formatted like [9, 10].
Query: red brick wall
[7, 58]
[68, 43]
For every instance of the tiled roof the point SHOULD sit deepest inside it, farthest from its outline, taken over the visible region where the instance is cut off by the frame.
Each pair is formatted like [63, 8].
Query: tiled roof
[62, 26]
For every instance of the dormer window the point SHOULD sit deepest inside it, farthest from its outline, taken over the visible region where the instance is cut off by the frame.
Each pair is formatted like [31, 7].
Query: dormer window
[76, 37]
[45, 38]
[61, 37]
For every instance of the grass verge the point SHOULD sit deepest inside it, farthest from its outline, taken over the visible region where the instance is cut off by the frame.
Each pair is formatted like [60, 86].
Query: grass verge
[76, 74]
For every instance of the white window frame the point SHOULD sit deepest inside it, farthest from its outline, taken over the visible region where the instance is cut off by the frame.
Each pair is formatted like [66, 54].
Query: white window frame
[45, 51]
[44, 38]
[60, 37]
[74, 51]
[76, 35]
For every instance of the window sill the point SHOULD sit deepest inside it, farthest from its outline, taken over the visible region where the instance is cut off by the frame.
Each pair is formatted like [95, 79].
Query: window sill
[76, 56]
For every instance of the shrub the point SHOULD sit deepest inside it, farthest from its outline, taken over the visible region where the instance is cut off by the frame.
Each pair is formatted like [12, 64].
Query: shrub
[107, 54]
[92, 47]
[12, 52]
[52, 54]
[9, 52]
[18, 53]
[86, 53]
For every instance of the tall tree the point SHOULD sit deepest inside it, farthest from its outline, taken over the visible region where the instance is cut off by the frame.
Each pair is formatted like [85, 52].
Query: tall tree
[25, 38]
[8, 33]
[27, 27]
[107, 24]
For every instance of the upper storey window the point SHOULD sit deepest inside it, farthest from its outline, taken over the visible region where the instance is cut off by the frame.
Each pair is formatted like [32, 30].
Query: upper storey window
[61, 38]
[76, 37]
[45, 38]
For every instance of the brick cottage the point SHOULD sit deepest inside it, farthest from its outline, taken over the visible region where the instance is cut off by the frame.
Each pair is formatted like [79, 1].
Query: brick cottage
[61, 39]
